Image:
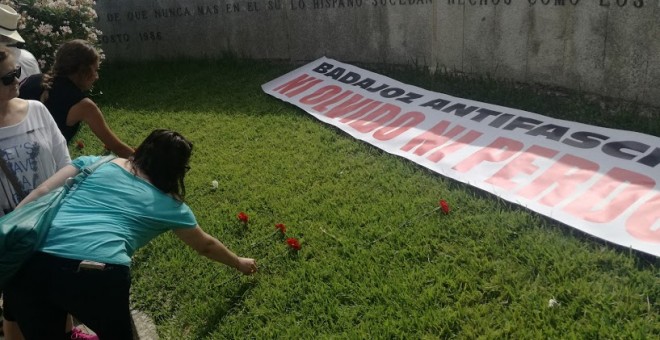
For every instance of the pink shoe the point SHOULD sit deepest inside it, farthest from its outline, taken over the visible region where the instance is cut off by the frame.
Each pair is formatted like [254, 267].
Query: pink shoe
[77, 333]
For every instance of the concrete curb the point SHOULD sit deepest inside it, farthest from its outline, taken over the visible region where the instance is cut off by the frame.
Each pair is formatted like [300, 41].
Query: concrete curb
[143, 326]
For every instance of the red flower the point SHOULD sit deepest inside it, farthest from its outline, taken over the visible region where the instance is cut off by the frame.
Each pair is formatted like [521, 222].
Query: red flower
[243, 217]
[293, 243]
[79, 144]
[444, 206]
[281, 227]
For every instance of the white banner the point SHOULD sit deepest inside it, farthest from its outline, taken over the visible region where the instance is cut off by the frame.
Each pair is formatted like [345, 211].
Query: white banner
[598, 180]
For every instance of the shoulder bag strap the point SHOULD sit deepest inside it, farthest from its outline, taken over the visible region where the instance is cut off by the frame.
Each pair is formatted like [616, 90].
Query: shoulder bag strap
[92, 167]
[12, 179]
[88, 170]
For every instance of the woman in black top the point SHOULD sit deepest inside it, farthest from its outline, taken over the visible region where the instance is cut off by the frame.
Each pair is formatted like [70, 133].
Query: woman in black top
[63, 91]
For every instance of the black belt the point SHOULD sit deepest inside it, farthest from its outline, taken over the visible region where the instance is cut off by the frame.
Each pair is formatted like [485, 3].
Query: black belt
[78, 265]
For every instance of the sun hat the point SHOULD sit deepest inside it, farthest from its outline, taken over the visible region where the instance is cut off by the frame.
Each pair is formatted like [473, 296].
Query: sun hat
[9, 23]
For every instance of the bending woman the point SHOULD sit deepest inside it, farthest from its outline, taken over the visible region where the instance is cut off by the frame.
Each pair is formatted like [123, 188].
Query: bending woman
[63, 91]
[119, 208]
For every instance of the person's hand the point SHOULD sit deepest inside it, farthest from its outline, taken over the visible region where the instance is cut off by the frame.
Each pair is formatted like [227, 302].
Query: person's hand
[246, 265]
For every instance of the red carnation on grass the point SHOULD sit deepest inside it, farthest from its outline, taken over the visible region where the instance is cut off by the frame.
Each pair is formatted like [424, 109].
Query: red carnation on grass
[80, 144]
[281, 227]
[293, 243]
[444, 206]
[243, 217]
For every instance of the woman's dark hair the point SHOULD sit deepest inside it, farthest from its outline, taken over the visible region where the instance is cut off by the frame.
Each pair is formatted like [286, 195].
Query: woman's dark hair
[71, 57]
[163, 156]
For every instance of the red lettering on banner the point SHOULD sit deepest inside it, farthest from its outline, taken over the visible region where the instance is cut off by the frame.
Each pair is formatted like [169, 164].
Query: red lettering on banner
[324, 106]
[402, 124]
[565, 175]
[350, 105]
[523, 164]
[321, 94]
[617, 190]
[325, 96]
[297, 86]
[463, 141]
[499, 150]
[363, 111]
[641, 224]
[376, 119]
[432, 138]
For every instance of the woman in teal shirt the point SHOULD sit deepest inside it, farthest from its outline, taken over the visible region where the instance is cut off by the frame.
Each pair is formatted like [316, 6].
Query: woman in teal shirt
[83, 266]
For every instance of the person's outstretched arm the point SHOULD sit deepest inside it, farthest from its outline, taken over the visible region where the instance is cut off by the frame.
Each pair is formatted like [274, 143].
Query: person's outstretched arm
[87, 111]
[54, 181]
[210, 247]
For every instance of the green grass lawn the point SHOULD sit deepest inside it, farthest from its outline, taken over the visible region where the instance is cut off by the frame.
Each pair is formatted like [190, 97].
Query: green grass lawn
[376, 260]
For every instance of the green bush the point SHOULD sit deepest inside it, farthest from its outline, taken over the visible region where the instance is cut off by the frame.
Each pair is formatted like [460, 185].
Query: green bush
[45, 24]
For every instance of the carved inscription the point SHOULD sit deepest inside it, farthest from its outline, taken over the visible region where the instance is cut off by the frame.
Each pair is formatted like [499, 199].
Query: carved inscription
[123, 25]
[603, 3]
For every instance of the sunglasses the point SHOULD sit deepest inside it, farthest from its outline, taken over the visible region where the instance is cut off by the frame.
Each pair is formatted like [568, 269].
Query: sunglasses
[9, 78]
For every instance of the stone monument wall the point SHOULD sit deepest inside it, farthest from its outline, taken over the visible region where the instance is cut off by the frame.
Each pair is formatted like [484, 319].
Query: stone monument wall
[609, 47]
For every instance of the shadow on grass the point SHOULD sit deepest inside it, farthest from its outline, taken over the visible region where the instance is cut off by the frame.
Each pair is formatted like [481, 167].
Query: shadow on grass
[223, 310]
[233, 85]
[223, 85]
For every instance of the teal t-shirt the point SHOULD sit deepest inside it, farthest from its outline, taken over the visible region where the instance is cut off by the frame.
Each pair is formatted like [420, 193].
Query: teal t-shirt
[112, 214]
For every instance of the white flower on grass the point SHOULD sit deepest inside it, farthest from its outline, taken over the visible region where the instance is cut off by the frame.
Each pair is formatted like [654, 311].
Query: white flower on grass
[552, 303]
[214, 185]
